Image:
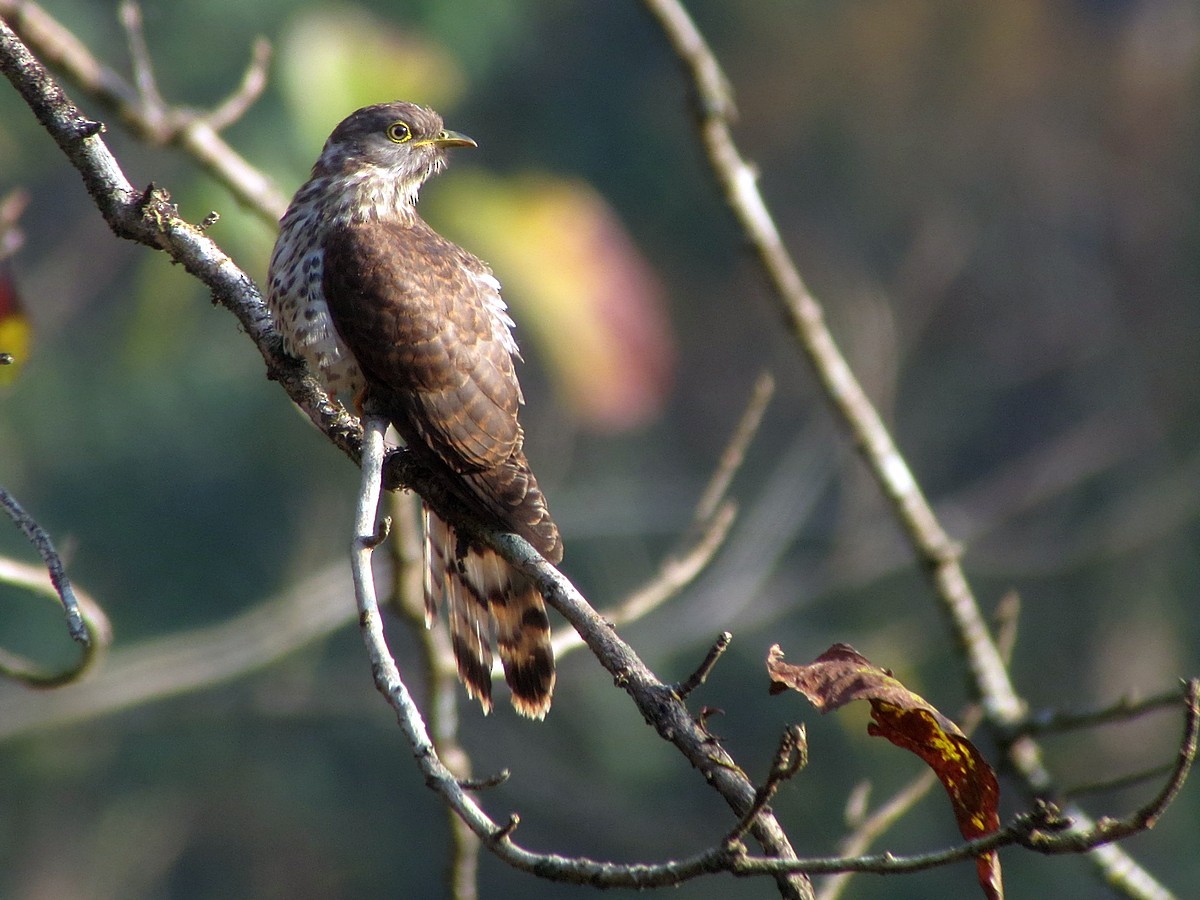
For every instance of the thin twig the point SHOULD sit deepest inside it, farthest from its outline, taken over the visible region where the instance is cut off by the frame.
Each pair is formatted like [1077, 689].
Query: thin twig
[1124, 710]
[697, 678]
[1186, 758]
[1005, 620]
[153, 106]
[254, 82]
[1119, 782]
[389, 682]
[1108, 830]
[734, 453]
[41, 540]
[483, 784]
[790, 757]
[505, 831]
[654, 699]
[30, 674]
[712, 519]
[873, 826]
[677, 570]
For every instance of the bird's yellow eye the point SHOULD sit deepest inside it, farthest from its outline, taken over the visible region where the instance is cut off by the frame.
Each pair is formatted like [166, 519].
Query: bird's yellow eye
[399, 132]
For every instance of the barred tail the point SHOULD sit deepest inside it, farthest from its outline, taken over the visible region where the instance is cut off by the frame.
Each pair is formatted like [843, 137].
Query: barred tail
[485, 596]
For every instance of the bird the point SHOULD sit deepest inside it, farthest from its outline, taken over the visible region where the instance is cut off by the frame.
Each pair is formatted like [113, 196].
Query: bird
[385, 310]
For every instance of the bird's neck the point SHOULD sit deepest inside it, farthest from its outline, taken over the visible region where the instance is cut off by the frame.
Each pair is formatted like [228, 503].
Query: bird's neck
[368, 194]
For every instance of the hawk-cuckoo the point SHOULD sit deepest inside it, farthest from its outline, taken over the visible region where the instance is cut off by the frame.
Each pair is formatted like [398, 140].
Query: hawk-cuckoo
[379, 304]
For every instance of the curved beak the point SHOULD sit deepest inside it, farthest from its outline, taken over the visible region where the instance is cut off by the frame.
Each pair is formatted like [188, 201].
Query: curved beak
[452, 139]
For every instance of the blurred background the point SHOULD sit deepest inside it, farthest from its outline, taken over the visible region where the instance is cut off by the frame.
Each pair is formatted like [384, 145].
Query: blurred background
[998, 206]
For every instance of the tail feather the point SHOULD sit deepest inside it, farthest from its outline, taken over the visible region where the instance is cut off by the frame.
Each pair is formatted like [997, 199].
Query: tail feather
[523, 638]
[485, 596]
[470, 625]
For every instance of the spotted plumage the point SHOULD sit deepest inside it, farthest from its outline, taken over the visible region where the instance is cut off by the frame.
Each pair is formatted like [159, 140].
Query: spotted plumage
[379, 304]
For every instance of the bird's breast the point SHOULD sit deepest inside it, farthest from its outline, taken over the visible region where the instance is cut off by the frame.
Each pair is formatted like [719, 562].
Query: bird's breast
[296, 297]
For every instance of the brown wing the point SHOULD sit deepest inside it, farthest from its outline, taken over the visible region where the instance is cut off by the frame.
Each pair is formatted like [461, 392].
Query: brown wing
[416, 312]
[411, 307]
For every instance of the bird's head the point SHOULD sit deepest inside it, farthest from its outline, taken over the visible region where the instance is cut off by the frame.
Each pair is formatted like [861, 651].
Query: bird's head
[400, 143]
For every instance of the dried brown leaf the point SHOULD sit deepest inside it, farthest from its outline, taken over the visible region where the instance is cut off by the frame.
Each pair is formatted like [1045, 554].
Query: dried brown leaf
[841, 674]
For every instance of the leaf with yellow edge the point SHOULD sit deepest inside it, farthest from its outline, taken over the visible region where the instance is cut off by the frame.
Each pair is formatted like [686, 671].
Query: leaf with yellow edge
[579, 285]
[841, 674]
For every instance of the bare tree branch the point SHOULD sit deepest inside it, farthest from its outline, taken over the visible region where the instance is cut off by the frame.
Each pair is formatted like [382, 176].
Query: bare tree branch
[190, 660]
[1148, 815]
[940, 556]
[657, 701]
[441, 680]
[142, 108]
[806, 322]
[1044, 831]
